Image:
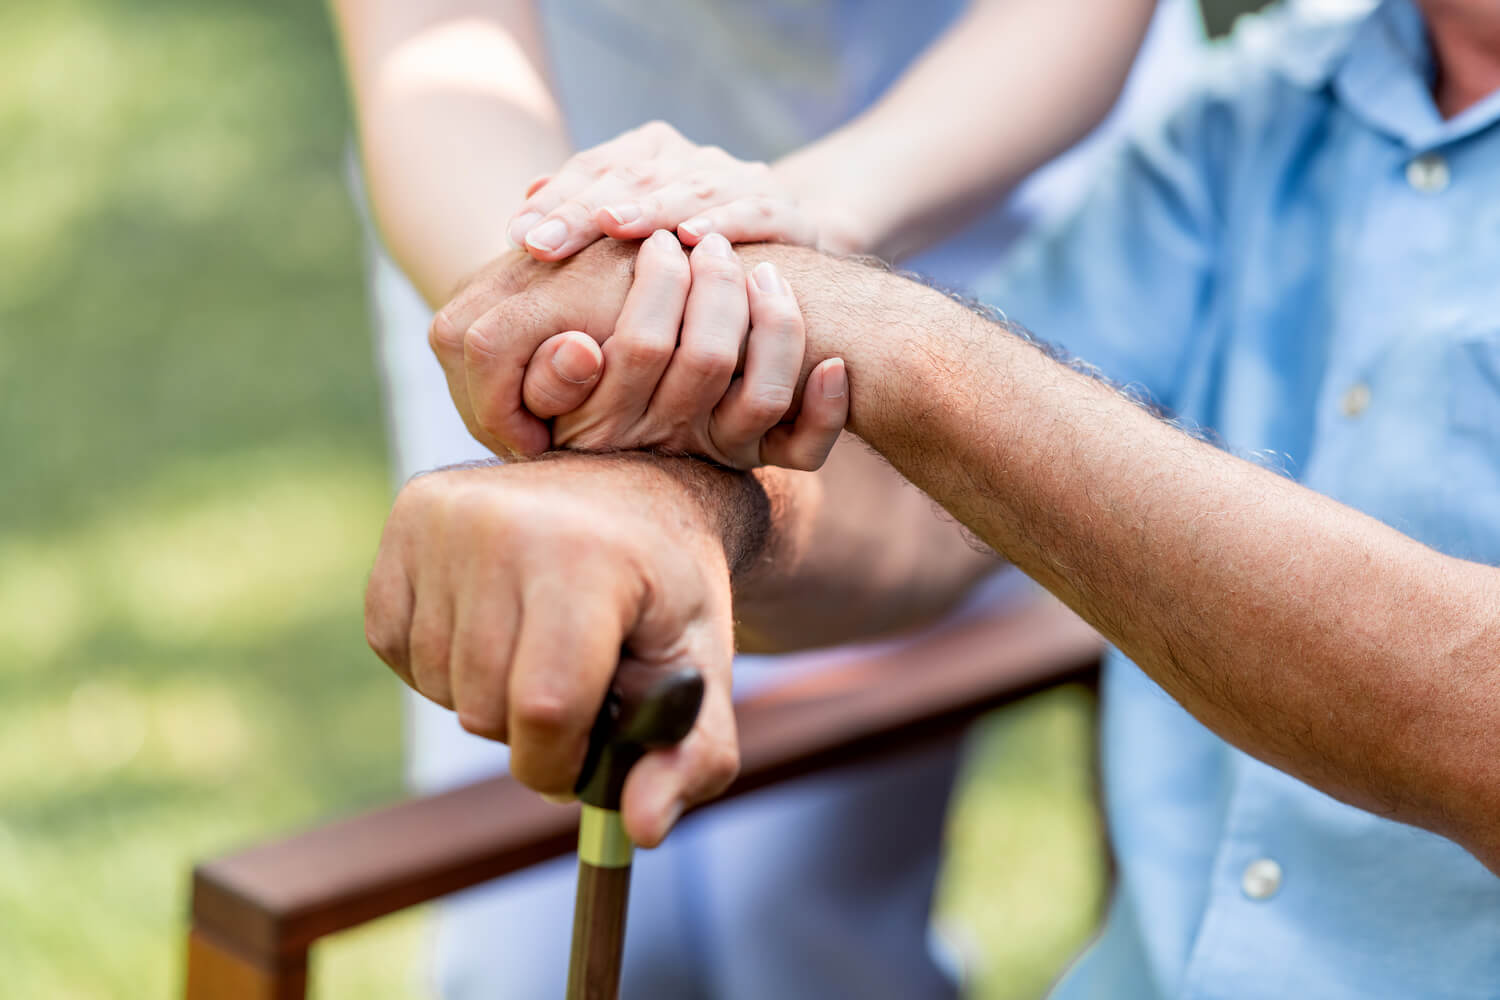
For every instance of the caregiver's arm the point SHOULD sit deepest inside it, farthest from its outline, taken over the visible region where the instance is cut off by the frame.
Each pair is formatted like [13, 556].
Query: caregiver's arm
[1009, 85]
[455, 117]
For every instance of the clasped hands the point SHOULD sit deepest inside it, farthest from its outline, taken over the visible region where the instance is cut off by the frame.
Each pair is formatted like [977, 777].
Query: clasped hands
[508, 593]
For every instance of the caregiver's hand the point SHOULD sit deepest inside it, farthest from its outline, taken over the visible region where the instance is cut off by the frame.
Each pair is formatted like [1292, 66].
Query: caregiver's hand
[652, 178]
[488, 334]
[679, 391]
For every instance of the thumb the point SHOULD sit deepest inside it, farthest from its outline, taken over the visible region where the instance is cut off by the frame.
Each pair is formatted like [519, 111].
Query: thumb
[561, 374]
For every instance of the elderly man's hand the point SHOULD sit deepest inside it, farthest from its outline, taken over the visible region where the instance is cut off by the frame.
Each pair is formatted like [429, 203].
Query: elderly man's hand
[486, 335]
[510, 593]
[518, 347]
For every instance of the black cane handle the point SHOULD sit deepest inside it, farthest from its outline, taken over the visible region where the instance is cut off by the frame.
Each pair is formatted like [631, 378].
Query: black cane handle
[647, 708]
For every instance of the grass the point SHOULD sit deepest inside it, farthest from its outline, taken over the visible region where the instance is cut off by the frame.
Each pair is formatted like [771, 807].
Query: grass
[194, 483]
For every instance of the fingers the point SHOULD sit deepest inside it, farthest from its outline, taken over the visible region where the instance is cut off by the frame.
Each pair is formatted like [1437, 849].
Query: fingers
[495, 354]
[773, 363]
[764, 218]
[486, 611]
[665, 783]
[561, 374]
[388, 606]
[637, 353]
[430, 642]
[702, 189]
[557, 217]
[825, 410]
[565, 655]
[713, 324]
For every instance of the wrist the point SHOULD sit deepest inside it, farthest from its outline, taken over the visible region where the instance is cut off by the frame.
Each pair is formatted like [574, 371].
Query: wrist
[846, 222]
[724, 512]
[861, 312]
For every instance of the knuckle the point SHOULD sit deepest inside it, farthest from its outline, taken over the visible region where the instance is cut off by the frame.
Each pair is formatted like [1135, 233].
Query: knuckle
[638, 352]
[479, 341]
[636, 174]
[384, 641]
[766, 404]
[544, 713]
[591, 161]
[483, 724]
[708, 361]
[763, 206]
[703, 187]
[429, 656]
[444, 336]
[725, 271]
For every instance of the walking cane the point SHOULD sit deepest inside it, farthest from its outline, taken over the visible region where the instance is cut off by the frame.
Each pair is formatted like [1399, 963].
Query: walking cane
[646, 709]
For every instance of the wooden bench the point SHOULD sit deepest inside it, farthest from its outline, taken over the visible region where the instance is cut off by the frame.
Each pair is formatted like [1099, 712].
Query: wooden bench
[257, 912]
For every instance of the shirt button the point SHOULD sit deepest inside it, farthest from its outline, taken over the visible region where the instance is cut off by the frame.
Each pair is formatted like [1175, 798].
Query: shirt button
[1428, 173]
[1261, 879]
[1356, 400]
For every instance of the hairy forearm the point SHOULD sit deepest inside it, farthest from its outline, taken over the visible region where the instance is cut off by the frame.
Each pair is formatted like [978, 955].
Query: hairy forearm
[914, 167]
[1301, 630]
[455, 118]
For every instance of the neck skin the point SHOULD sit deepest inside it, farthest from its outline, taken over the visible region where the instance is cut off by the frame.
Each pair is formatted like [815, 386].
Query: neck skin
[1465, 36]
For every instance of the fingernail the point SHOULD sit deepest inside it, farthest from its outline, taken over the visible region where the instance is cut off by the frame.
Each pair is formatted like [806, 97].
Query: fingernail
[574, 363]
[519, 226]
[625, 214]
[835, 381]
[766, 278]
[664, 239]
[549, 235]
[696, 227]
[674, 814]
[716, 246]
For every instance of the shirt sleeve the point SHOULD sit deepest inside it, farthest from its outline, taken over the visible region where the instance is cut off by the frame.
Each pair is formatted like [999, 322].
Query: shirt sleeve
[1126, 281]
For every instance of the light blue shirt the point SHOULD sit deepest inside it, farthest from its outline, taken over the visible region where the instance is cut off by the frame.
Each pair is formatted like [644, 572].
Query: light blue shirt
[1306, 258]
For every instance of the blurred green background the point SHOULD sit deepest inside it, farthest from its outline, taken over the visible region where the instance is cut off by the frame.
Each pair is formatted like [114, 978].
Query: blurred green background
[194, 481]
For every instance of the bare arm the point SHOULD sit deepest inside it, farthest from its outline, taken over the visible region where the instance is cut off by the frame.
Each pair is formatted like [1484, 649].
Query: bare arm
[1304, 632]
[455, 118]
[1009, 86]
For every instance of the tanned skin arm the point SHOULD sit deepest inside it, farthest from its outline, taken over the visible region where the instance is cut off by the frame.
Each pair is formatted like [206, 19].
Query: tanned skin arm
[1302, 631]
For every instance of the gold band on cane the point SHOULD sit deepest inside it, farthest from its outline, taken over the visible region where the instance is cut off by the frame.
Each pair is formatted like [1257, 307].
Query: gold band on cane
[601, 839]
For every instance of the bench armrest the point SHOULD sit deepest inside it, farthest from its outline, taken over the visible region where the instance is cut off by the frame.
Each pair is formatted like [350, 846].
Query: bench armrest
[264, 906]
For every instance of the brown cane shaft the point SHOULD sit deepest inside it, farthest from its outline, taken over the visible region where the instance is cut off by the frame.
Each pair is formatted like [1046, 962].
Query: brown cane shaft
[598, 932]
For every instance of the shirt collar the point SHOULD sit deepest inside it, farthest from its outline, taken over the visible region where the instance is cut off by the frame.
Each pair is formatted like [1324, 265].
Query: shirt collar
[1385, 79]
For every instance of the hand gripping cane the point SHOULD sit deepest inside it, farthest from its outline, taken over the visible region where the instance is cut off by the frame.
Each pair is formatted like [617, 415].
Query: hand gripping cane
[647, 708]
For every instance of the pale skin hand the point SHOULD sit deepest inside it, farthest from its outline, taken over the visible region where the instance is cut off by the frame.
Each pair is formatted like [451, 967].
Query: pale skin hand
[1305, 633]
[654, 391]
[668, 369]
[471, 73]
[907, 172]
